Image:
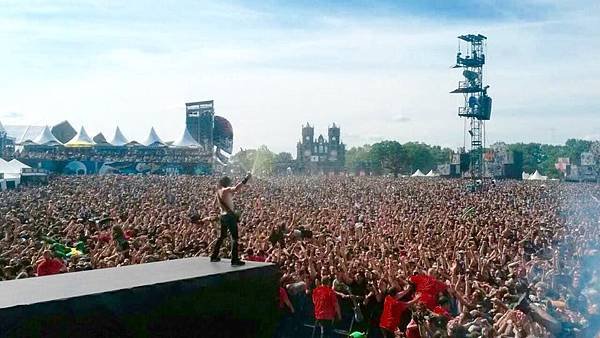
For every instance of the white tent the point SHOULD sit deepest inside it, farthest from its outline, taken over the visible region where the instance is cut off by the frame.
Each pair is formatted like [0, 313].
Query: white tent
[187, 140]
[418, 173]
[525, 176]
[46, 138]
[2, 180]
[18, 165]
[153, 140]
[27, 137]
[82, 139]
[2, 128]
[12, 169]
[537, 176]
[119, 139]
[431, 174]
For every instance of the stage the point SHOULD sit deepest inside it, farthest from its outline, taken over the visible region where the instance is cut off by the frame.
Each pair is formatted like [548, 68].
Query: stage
[189, 297]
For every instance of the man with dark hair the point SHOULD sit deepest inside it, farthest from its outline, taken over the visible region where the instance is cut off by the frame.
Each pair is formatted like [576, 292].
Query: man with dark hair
[393, 309]
[229, 218]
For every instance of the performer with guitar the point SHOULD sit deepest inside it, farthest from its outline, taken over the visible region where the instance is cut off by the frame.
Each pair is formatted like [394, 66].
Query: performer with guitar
[229, 218]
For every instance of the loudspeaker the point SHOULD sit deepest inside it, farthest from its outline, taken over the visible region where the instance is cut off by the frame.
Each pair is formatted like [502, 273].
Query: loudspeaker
[465, 162]
[485, 107]
[515, 169]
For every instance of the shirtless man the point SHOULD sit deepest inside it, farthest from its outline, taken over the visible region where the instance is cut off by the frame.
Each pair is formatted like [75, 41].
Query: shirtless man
[229, 218]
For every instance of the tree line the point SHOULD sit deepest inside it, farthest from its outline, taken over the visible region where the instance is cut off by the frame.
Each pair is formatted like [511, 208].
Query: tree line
[392, 157]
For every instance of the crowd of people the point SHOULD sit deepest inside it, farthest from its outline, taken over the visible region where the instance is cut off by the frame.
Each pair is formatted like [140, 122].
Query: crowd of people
[101, 153]
[404, 257]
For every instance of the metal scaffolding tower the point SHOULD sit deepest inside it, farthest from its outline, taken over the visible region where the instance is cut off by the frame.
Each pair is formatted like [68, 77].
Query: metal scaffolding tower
[477, 106]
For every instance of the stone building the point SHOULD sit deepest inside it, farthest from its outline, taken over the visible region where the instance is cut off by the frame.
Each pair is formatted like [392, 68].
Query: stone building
[317, 156]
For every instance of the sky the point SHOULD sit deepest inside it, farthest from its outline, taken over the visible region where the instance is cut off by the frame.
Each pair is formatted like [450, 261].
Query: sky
[379, 69]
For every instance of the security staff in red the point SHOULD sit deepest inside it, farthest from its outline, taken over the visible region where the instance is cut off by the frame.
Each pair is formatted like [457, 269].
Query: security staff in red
[393, 309]
[327, 308]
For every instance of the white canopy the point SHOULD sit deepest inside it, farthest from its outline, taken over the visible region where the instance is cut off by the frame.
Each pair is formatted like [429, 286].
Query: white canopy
[153, 140]
[26, 138]
[119, 139]
[46, 138]
[12, 169]
[418, 173]
[537, 176]
[18, 165]
[431, 174]
[82, 139]
[187, 140]
[525, 176]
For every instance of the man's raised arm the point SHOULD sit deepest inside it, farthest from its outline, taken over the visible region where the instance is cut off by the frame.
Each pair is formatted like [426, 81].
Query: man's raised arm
[239, 186]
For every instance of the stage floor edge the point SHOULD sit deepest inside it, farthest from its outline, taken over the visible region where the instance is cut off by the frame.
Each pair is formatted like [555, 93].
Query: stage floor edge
[190, 297]
[83, 283]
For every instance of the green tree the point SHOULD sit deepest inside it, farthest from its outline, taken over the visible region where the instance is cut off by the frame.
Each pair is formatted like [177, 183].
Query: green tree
[389, 156]
[419, 156]
[283, 158]
[263, 163]
[281, 162]
[244, 159]
[542, 157]
[595, 149]
[575, 147]
[358, 158]
[258, 161]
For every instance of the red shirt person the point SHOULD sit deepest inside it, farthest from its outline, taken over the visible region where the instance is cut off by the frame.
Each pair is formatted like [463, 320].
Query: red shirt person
[325, 302]
[50, 265]
[429, 288]
[284, 300]
[393, 309]
[327, 307]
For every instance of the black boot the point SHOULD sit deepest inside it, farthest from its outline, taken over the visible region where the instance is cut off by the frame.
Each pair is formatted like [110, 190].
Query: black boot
[237, 262]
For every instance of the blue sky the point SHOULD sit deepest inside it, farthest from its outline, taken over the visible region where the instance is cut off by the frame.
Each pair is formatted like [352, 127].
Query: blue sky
[379, 69]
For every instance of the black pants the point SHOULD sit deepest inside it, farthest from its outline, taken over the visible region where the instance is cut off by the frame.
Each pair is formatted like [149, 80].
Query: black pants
[228, 223]
[387, 334]
[324, 328]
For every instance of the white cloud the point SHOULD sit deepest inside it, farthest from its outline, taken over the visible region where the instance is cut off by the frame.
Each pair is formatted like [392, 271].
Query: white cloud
[268, 79]
[401, 118]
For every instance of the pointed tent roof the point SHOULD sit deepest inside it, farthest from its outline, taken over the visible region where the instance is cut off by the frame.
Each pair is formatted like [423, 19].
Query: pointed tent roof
[64, 131]
[27, 137]
[18, 164]
[12, 168]
[82, 139]
[187, 140]
[153, 140]
[537, 176]
[418, 173]
[431, 174]
[46, 138]
[119, 139]
[100, 139]
[525, 176]
[5, 168]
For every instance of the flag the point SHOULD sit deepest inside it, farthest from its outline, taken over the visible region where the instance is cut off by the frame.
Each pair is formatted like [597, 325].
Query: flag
[470, 211]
